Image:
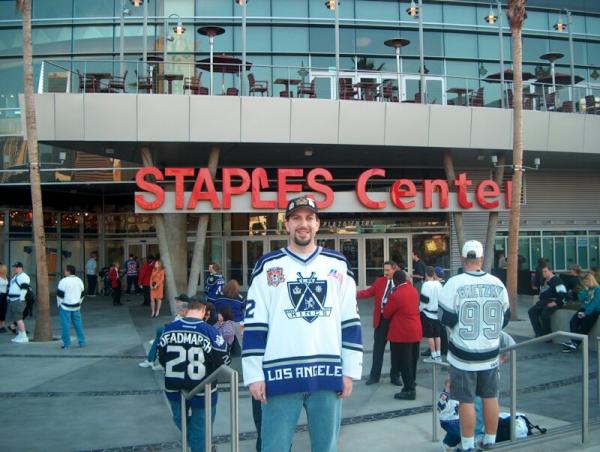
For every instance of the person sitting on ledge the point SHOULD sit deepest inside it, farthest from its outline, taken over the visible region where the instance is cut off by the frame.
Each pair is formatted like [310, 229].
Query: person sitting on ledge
[584, 320]
[552, 297]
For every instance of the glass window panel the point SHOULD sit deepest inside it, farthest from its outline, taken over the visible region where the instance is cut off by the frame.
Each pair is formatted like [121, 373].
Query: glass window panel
[455, 14]
[578, 24]
[51, 40]
[349, 248]
[115, 252]
[559, 243]
[593, 50]
[373, 259]
[524, 252]
[94, 39]
[11, 82]
[256, 8]
[548, 250]
[582, 252]
[571, 250]
[431, 14]
[97, 8]
[235, 261]
[462, 75]
[258, 39]
[317, 9]
[8, 11]
[536, 250]
[594, 252]
[592, 25]
[372, 41]
[377, 10]
[348, 40]
[278, 244]
[51, 10]
[460, 45]
[537, 20]
[533, 48]
[489, 46]
[71, 255]
[11, 41]
[214, 8]
[254, 250]
[433, 43]
[322, 39]
[185, 8]
[290, 8]
[290, 39]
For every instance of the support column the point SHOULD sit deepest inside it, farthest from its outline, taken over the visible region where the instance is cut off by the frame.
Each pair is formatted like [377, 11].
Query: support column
[176, 224]
[457, 216]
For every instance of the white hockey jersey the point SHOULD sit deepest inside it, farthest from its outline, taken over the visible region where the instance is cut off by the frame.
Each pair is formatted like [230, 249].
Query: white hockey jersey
[302, 330]
[475, 306]
[430, 294]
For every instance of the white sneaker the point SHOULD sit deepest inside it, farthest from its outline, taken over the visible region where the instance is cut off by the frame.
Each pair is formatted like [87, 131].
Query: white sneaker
[156, 366]
[145, 363]
[432, 360]
[20, 339]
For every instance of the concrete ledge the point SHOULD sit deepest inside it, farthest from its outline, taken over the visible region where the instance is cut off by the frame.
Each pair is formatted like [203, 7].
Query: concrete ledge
[560, 322]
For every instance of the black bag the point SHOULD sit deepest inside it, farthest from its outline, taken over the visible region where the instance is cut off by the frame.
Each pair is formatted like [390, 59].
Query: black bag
[235, 349]
[524, 425]
[29, 302]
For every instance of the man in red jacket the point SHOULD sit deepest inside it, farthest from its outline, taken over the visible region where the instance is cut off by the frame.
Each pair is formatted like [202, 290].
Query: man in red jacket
[380, 289]
[405, 332]
[144, 279]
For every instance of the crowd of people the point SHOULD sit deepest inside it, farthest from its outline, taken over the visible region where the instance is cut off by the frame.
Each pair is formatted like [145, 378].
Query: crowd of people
[308, 293]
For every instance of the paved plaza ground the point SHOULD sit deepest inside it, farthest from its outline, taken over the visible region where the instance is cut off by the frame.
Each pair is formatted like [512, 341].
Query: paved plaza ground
[96, 398]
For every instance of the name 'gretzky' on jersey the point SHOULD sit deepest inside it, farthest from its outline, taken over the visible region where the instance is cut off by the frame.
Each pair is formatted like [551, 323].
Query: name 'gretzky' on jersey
[475, 306]
[302, 329]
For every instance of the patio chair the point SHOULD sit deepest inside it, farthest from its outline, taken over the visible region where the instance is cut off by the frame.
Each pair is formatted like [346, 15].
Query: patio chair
[117, 83]
[476, 98]
[551, 102]
[261, 86]
[86, 85]
[144, 84]
[347, 91]
[387, 91]
[527, 103]
[510, 96]
[232, 91]
[566, 107]
[417, 98]
[194, 85]
[307, 88]
[591, 107]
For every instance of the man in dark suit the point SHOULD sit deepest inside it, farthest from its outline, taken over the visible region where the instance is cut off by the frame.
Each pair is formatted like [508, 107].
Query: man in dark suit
[380, 290]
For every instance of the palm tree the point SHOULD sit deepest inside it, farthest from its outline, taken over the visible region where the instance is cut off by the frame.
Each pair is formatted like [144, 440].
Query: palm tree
[516, 16]
[43, 331]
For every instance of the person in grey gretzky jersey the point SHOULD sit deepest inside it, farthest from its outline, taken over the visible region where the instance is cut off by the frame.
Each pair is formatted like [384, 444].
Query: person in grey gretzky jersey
[302, 335]
[474, 305]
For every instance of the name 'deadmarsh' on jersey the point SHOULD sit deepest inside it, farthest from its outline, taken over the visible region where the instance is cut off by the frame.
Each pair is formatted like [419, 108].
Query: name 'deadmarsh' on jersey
[180, 338]
[480, 290]
[317, 370]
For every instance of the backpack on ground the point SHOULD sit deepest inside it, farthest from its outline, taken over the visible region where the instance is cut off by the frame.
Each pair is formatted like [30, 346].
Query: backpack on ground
[523, 427]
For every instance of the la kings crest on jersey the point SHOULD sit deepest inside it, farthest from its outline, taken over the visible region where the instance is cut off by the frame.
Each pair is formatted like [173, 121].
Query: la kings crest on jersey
[308, 296]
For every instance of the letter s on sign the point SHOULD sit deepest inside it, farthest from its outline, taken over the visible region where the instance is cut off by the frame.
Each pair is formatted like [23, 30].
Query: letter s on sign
[150, 187]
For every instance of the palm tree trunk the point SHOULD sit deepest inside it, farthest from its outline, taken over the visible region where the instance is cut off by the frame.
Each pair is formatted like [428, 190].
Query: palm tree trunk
[516, 11]
[43, 330]
[488, 255]
[457, 216]
[200, 240]
[163, 244]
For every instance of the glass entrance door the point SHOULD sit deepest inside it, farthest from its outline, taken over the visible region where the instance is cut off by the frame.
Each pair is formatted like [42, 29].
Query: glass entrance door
[141, 248]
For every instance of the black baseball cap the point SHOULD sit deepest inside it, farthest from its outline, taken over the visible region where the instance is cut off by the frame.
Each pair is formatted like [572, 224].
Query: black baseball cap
[18, 264]
[199, 299]
[182, 297]
[301, 202]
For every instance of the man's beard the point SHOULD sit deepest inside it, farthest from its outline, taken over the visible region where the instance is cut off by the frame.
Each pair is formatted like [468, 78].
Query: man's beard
[300, 242]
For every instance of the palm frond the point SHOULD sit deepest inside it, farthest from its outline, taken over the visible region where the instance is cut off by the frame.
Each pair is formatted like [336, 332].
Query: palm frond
[20, 5]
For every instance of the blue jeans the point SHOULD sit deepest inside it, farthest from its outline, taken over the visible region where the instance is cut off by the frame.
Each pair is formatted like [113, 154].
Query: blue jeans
[195, 423]
[280, 416]
[66, 318]
[152, 352]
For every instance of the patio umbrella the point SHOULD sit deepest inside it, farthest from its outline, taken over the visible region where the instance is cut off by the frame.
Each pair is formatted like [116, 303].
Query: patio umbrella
[508, 76]
[558, 79]
[225, 64]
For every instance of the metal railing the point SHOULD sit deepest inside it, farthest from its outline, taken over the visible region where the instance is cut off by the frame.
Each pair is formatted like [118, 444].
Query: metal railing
[223, 371]
[513, 382]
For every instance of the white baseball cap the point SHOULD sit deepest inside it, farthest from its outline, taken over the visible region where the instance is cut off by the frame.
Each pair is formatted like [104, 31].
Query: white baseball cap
[472, 247]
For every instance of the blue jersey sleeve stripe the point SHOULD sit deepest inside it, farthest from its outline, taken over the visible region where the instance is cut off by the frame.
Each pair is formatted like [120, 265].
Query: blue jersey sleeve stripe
[254, 339]
[350, 321]
[249, 325]
[301, 358]
[352, 334]
[448, 318]
[247, 353]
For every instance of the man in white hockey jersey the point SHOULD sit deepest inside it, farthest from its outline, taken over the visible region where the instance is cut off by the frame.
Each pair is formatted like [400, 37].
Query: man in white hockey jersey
[69, 296]
[302, 335]
[474, 305]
